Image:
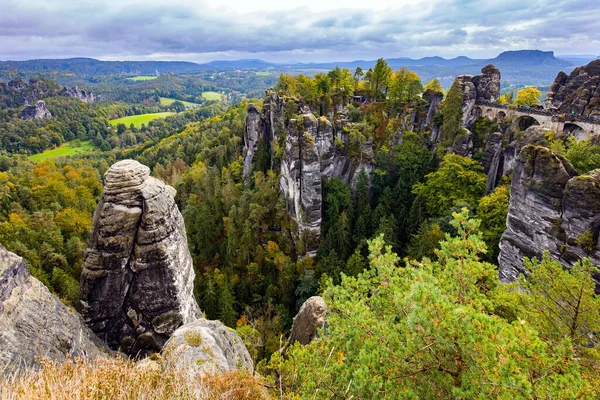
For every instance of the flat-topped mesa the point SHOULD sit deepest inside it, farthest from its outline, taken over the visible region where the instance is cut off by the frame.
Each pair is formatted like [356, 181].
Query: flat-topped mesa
[137, 278]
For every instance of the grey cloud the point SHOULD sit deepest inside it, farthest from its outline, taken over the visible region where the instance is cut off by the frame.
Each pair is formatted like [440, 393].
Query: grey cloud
[64, 28]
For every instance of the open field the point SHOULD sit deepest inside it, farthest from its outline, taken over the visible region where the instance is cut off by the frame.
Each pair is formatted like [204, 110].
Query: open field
[143, 78]
[166, 101]
[213, 95]
[65, 149]
[138, 120]
[263, 73]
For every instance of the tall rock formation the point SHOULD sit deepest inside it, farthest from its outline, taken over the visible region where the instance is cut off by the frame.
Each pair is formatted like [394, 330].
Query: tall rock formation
[492, 161]
[577, 93]
[551, 209]
[35, 323]
[308, 155]
[37, 111]
[300, 179]
[137, 278]
[478, 88]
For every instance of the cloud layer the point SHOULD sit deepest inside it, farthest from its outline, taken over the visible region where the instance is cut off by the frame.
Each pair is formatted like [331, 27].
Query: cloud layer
[197, 31]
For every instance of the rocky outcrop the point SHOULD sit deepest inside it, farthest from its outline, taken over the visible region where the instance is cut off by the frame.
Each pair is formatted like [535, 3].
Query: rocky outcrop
[492, 161]
[532, 135]
[313, 149]
[37, 111]
[434, 100]
[577, 93]
[35, 323]
[300, 179]
[551, 209]
[205, 346]
[81, 94]
[479, 88]
[253, 134]
[463, 144]
[311, 317]
[137, 278]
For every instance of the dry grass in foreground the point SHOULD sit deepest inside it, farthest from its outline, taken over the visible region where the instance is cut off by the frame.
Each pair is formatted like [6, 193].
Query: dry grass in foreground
[119, 379]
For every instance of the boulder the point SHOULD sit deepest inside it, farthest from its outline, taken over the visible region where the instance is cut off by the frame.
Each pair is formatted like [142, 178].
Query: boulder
[205, 346]
[137, 278]
[35, 323]
[311, 317]
[37, 111]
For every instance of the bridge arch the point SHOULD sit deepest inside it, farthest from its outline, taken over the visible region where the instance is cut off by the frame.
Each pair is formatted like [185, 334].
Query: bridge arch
[523, 122]
[576, 130]
[500, 116]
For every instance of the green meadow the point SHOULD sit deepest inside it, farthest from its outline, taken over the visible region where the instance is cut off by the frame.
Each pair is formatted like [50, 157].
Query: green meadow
[64, 150]
[263, 73]
[213, 96]
[138, 120]
[166, 101]
[143, 78]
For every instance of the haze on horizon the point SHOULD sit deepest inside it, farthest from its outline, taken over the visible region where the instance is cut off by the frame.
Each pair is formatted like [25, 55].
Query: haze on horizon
[312, 30]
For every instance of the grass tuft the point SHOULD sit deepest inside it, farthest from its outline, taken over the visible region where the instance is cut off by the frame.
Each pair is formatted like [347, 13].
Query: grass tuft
[121, 379]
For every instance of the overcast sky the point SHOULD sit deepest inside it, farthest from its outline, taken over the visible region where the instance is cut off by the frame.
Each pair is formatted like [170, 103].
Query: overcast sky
[284, 30]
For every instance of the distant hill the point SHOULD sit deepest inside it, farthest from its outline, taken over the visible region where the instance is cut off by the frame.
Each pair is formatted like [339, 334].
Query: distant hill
[90, 66]
[523, 67]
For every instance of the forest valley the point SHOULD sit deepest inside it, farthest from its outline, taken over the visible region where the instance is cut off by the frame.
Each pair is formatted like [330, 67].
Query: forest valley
[407, 249]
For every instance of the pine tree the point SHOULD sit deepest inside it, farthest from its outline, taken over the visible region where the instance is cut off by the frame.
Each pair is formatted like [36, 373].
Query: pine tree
[453, 113]
[362, 224]
[227, 314]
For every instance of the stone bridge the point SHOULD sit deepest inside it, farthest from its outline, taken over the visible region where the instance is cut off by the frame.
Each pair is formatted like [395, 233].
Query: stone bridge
[524, 117]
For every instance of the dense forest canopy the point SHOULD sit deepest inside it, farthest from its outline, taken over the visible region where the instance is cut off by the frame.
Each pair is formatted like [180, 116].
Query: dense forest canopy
[437, 324]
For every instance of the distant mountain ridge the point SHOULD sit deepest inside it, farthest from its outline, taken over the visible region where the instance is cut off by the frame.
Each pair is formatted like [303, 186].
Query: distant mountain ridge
[522, 67]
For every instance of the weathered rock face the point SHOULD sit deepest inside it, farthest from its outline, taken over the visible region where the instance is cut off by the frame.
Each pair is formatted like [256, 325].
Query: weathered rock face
[205, 346]
[253, 133]
[434, 99]
[578, 93]
[488, 84]
[81, 94]
[532, 135]
[463, 144]
[300, 179]
[311, 317]
[309, 155]
[137, 278]
[550, 207]
[37, 111]
[492, 161]
[34, 322]
[479, 88]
